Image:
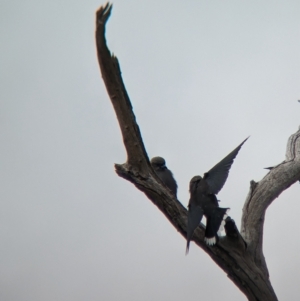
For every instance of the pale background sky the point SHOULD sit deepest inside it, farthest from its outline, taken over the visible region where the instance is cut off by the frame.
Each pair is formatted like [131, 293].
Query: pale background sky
[202, 76]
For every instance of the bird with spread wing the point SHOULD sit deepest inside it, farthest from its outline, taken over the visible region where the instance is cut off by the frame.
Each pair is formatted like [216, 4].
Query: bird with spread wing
[203, 200]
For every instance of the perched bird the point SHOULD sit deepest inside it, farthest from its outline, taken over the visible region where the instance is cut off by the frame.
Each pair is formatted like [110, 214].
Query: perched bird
[204, 203]
[269, 168]
[160, 168]
[203, 200]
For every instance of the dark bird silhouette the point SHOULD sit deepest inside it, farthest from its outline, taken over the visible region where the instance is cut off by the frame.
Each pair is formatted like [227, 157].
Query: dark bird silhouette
[203, 200]
[160, 168]
[269, 168]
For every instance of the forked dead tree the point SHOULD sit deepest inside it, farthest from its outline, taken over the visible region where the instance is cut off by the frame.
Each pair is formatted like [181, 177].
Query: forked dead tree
[239, 254]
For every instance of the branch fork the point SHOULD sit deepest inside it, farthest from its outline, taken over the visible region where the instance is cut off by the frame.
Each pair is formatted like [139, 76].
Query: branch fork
[238, 254]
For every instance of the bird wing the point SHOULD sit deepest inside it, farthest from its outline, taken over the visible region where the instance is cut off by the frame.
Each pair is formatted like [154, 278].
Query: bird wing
[195, 215]
[168, 178]
[217, 176]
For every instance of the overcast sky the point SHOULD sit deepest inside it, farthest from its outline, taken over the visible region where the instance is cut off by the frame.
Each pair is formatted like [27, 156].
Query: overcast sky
[202, 76]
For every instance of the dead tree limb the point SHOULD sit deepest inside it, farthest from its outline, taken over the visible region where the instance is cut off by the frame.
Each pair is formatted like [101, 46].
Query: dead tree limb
[240, 255]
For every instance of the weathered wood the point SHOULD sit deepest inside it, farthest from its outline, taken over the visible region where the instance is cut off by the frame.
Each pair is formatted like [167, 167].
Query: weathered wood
[263, 193]
[240, 255]
[111, 74]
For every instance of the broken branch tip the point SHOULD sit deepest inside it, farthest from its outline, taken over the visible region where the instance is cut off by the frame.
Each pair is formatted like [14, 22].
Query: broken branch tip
[103, 13]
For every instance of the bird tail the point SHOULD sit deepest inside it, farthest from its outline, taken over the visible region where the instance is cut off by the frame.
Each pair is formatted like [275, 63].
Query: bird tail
[215, 223]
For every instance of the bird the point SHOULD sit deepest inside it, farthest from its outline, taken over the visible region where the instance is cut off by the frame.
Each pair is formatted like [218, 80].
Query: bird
[160, 168]
[203, 200]
[269, 168]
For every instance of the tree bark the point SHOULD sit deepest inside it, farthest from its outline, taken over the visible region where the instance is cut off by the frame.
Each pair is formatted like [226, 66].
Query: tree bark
[238, 254]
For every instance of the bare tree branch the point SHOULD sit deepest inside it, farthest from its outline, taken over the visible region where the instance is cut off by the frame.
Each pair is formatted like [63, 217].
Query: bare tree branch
[263, 193]
[240, 255]
[111, 74]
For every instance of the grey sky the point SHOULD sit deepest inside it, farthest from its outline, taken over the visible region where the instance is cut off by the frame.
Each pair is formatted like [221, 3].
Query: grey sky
[202, 76]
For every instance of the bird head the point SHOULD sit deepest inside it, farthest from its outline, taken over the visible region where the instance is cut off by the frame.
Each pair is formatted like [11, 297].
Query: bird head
[158, 162]
[194, 183]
